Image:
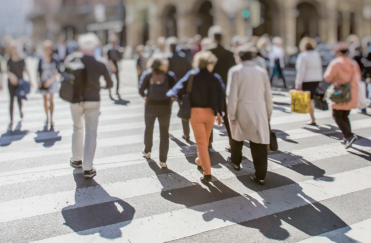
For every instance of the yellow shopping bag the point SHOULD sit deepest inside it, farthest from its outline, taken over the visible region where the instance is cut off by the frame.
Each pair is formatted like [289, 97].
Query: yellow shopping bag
[300, 101]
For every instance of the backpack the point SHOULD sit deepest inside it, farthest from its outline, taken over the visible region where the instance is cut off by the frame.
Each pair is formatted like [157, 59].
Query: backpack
[158, 87]
[70, 90]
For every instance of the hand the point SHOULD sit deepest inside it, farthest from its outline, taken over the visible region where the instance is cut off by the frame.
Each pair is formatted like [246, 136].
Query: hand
[219, 120]
[40, 84]
[233, 122]
[298, 87]
[172, 98]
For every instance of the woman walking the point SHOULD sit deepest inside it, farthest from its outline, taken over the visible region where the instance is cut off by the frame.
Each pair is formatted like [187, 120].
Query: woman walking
[207, 98]
[309, 72]
[47, 72]
[341, 71]
[250, 108]
[15, 67]
[153, 86]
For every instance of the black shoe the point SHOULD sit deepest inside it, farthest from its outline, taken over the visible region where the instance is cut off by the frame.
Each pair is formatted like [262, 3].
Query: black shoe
[76, 164]
[350, 141]
[185, 137]
[199, 167]
[236, 167]
[210, 146]
[260, 182]
[206, 179]
[228, 149]
[88, 174]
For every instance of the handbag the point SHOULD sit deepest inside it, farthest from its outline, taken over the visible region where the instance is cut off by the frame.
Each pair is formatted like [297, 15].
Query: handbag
[23, 88]
[342, 93]
[185, 102]
[273, 144]
[300, 101]
[363, 102]
[67, 87]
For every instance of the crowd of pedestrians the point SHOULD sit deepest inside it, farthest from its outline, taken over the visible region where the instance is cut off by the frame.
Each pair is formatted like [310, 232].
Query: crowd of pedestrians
[224, 86]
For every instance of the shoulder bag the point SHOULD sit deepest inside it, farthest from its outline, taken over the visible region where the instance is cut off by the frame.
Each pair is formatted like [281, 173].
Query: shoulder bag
[185, 102]
[342, 93]
[273, 144]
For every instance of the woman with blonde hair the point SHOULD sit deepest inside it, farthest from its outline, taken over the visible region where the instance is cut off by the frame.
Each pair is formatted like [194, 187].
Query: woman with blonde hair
[309, 72]
[47, 72]
[207, 96]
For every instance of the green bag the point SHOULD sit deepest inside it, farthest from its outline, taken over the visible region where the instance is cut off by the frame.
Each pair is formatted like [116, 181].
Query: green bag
[343, 93]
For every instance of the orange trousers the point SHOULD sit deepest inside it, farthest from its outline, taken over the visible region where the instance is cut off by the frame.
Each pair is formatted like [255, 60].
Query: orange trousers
[202, 122]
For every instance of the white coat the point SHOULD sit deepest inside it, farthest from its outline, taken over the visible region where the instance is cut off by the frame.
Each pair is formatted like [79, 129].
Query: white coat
[250, 103]
[308, 67]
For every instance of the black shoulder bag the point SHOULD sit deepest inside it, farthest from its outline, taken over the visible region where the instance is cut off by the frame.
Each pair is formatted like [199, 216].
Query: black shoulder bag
[185, 102]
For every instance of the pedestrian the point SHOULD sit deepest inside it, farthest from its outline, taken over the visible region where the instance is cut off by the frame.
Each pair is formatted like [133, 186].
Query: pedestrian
[277, 61]
[309, 72]
[343, 70]
[114, 57]
[47, 72]
[153, 86]
[207, 96]
[85, 108]
[61, 48]
[225, 62]
[15, 67]
[141, 61]
[250, 108]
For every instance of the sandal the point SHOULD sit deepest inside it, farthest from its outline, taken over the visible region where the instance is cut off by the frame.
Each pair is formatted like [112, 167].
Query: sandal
[310, 123]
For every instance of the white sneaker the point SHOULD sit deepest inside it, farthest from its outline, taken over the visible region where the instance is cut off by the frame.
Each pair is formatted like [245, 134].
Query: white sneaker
[163, 164]
[146, 155]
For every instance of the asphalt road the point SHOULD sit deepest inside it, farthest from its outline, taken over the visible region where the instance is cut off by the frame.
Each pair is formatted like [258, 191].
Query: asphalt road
[315, 190]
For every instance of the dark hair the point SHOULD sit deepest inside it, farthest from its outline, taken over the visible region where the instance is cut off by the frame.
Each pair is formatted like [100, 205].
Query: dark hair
[172, 47]
[218, 37]
[309, 47]
[246, 55]
[156, 66]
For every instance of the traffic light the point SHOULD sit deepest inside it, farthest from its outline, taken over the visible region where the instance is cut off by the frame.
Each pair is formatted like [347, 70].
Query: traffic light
[246, 13]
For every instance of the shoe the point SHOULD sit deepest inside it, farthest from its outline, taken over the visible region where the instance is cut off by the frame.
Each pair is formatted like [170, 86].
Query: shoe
[343, 142]
[146, 155]
[260, 182]
[89, 174]
[185, 137]
[350, 141]
[210, 146]
[163, 165]
[228, 149]
[236, 167]
[206, 179]
[199, 167]
[76, 164]
[51, 124]
[310, 123]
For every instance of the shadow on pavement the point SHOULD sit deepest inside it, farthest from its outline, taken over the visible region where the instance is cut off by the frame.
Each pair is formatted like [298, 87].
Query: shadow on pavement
[47, 137]
[13, 135]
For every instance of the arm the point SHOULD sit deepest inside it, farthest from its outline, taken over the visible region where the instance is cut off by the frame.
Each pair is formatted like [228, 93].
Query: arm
[300, 69]
[180, 87]
[232, 95]
[107, 77]
[144, 83]
[172, 79]
[331, 72]
[268, 96]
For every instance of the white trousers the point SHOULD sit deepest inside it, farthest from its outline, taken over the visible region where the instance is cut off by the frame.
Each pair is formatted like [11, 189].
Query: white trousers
[88, 111]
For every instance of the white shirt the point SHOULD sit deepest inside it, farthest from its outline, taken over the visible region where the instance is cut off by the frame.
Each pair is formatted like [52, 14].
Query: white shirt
[277, 53]
[308, 67]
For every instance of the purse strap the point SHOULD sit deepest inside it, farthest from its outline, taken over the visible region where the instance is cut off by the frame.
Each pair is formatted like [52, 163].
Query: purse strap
[190, 83]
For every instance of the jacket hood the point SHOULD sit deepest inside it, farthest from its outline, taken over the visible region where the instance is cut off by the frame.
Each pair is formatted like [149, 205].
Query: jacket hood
[347, 68]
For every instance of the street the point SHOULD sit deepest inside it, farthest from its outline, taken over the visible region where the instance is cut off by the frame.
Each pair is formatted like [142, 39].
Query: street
[315, 190]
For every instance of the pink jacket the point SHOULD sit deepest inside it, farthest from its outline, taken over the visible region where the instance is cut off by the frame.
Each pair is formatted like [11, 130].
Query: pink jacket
[340, 71]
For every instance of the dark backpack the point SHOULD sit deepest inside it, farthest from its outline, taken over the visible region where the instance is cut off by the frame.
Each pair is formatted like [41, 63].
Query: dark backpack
[158, 87]
[72, 79]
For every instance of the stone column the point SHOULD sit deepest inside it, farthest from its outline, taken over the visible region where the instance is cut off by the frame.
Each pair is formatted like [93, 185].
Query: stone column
[186, 19]
[331, 23]
[221, 19]
[346, 24]
[154, 20]
[133, 30]
[290, 13]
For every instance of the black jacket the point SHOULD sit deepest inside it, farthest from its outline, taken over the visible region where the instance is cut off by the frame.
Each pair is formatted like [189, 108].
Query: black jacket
[86, 84]
[208, 90]
[179, 64]
[225, 62]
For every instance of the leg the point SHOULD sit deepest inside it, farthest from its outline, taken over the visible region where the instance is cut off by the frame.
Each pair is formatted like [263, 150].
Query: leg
[186, 128]
[118, 82]
[20, 107]
[46, 107]
[91, 112]
[78, 131]
[149, 119]
[11, 89]
[283, 78]
[259, 154]
[164, 122]
[272, 76]
[347, 121]
[211, 139]
[312, 107]
[226, 123]
[51, 107]
[236, 151]
[343, 124]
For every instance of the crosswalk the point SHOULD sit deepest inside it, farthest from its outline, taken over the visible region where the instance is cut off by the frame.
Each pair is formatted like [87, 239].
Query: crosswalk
[316, 191]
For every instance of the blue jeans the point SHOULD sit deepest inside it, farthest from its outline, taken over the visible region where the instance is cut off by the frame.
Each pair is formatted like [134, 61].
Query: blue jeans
[162, 113]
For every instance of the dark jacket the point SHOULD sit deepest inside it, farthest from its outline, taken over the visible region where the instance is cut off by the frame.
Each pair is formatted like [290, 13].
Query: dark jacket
[179, 64]
[144, 83]
[208, 90]
[87, 85]
[225, 62]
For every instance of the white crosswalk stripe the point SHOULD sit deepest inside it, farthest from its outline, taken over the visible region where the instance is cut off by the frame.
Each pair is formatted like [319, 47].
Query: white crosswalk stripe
[133, 200]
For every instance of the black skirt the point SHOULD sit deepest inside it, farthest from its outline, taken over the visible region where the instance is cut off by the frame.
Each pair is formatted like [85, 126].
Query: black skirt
[311, 87]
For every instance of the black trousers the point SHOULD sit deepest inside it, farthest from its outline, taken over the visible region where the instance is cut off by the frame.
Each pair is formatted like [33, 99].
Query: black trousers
[280, 72]
[12, 89]
[259, 154]
[342, 120]
[118, 82]
[162, 113]
[185, 124]
[226, 124]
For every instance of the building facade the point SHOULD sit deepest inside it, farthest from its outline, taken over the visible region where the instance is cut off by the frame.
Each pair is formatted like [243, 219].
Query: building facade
[142, 20]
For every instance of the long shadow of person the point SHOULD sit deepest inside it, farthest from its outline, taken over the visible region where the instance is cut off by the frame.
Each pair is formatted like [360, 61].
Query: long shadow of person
[331, 132]
[95, 208]
[284, 136]
[119, 101]
[47, 137]
[13, 135]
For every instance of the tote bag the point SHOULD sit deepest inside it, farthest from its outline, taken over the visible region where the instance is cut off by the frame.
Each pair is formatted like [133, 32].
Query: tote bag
[185, 102]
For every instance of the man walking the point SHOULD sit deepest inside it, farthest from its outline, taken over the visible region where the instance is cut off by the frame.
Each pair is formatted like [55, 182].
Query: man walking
[114, 58]
[86, 102]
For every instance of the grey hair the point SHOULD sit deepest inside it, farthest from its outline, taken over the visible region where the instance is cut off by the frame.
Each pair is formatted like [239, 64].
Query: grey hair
[88, 41]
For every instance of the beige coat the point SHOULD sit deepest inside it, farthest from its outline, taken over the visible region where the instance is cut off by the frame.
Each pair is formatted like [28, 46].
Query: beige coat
[250, 103]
